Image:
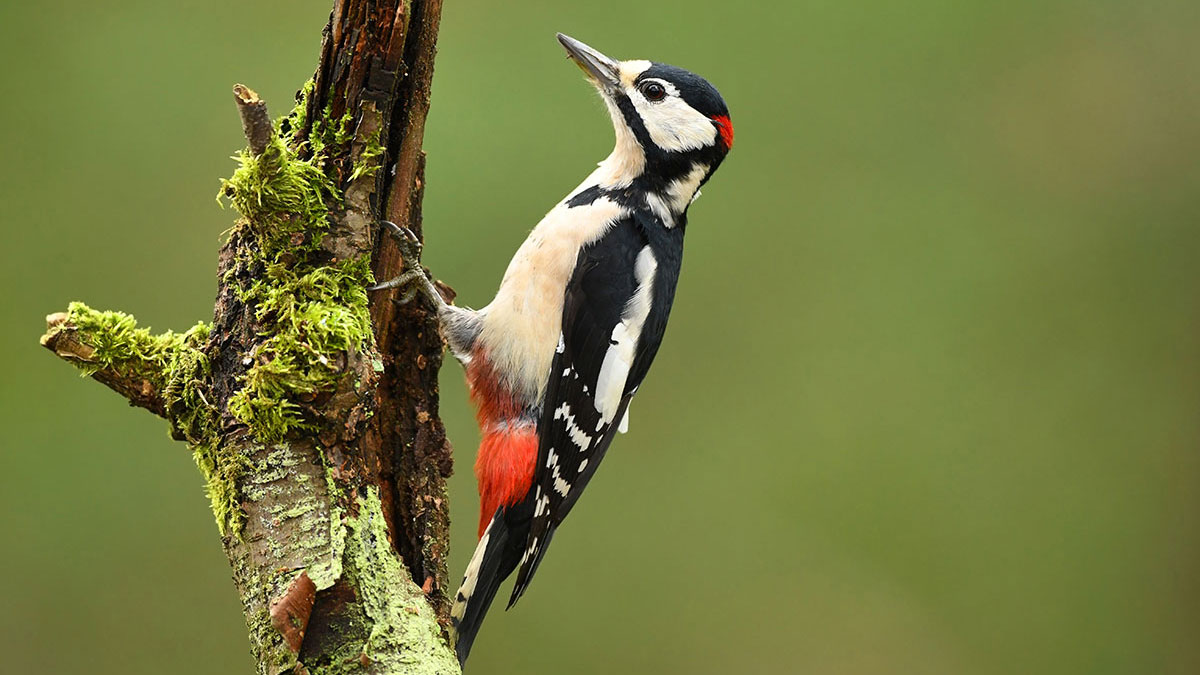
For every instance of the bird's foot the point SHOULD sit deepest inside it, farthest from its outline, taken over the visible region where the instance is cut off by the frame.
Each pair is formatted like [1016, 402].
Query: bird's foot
[407, 241]
[413, 280]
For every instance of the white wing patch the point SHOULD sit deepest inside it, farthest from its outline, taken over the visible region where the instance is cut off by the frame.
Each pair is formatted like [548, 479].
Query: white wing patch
[614, 370]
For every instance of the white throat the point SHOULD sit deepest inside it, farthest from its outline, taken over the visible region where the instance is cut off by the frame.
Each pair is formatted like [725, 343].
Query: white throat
[626, 161]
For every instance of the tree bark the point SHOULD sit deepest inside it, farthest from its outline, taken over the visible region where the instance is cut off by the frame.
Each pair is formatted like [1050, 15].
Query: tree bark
[310, 406]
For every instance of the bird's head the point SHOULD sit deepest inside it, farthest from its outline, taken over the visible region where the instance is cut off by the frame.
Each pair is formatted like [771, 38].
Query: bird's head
[669, 122]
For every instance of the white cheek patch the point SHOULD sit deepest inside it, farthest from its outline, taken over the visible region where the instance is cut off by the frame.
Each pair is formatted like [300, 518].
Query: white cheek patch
[673, 125]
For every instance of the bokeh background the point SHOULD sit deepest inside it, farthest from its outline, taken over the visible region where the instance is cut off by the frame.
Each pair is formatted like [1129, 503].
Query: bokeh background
[928, 402]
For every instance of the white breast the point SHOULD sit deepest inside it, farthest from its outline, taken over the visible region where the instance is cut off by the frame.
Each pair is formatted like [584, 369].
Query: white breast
[521, 325]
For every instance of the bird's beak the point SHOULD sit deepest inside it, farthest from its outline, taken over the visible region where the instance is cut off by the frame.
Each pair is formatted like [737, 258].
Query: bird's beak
[602, 70]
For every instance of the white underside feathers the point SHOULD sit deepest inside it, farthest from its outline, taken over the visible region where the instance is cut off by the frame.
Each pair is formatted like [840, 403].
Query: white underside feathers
[523, 324]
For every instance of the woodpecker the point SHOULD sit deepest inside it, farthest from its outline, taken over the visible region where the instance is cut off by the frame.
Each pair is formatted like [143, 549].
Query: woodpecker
[553, 361]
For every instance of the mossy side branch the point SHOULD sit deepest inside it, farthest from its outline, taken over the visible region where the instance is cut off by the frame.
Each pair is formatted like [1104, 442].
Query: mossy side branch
[113, 350]
[167, 374]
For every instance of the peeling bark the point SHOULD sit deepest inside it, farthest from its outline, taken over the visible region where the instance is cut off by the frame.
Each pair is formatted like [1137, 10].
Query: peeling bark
[311, 409]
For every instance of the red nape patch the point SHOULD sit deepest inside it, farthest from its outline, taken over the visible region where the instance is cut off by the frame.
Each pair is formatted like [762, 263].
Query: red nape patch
[725, 126]
[504, 469]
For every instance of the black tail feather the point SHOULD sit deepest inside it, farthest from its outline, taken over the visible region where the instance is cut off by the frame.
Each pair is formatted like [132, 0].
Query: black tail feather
[502, 543]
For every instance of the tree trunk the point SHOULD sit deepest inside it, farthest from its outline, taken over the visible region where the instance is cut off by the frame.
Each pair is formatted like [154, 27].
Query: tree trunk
[311, 406]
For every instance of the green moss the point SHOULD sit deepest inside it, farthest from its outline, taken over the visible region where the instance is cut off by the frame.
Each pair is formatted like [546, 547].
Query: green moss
[193, 417]
[222, 467]
[285, 193]
[329, 134]
[308, 319]
[123, 347]
[309, 310]
[287, 125]
[285, 199]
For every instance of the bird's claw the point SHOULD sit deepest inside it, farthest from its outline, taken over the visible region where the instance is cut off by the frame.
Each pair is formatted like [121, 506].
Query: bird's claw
[406, 240]
[405, 279]
[413, 280]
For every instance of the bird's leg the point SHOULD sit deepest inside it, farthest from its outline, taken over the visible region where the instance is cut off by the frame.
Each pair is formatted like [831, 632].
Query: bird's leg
[413, 280]
[460, 326]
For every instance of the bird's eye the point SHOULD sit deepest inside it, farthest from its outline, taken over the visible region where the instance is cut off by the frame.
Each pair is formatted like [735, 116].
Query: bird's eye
[653, 91]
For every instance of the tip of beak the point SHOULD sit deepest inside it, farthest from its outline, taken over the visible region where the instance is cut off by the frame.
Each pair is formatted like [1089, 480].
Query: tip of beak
[569, 43]
[600, 68]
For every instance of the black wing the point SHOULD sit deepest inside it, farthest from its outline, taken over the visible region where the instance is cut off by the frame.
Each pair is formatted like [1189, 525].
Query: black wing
[574, 434]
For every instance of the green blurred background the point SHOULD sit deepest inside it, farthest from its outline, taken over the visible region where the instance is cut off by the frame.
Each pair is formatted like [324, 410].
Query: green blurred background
[928, 403]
